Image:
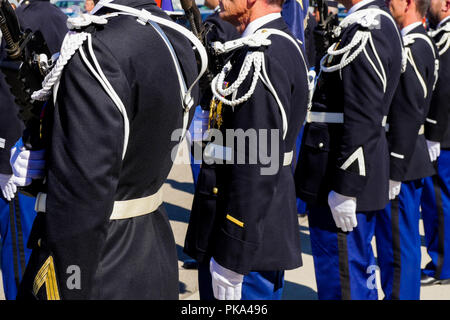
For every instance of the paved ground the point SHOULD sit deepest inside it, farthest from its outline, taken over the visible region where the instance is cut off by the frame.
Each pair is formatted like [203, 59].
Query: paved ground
[300, 283]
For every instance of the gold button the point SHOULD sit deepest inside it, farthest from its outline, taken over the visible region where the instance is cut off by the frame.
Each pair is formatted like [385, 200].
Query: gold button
[321, 145]
[39, 242]
[215, 190]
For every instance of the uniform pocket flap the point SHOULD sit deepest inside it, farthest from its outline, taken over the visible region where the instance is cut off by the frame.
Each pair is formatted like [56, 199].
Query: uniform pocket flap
[317, 136]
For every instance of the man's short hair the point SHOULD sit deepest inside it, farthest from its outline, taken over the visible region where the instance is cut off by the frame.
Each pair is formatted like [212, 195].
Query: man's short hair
[422, 6]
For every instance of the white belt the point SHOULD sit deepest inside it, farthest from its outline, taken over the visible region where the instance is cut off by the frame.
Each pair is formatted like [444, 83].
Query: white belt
[421, 129]
[330, 117]
[122, 209]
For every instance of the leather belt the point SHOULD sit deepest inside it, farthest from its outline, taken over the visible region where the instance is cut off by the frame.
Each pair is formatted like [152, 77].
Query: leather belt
[124, 209]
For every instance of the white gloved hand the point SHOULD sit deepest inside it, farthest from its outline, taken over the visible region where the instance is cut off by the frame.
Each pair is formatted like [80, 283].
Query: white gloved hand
[26, 164]
[343, 209]
[434, 149]
[7, 185]
[394, 189]
[227, 284]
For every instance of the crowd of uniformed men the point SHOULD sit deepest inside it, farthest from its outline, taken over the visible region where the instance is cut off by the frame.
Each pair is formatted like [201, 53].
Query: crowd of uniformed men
[374, 155]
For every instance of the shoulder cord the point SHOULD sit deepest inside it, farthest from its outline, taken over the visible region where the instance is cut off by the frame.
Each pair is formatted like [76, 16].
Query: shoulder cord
[367, 18]
[409, 39]
[74, 41]
[256, 59]
[444, 43]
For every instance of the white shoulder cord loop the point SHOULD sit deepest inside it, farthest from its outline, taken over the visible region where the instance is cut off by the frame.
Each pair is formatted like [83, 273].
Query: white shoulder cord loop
[145, 16]
[71, 43]
[360, 37]
[74, 41]
[257, 60]
[444, 42]
[251, 59]
[100, 76]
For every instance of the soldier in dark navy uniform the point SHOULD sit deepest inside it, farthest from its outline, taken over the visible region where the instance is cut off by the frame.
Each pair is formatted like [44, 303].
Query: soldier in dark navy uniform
[243, 227]
[122, 87]
[397, 230]
[436, 192]
[17, 214]
[343, 168]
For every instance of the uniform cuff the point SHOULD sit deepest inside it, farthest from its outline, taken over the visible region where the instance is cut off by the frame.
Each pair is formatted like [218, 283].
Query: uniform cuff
[348, 183]
[234, 254]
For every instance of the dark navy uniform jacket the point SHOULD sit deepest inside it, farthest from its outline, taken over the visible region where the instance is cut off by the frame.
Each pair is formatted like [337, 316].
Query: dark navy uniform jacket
[35, 15]
[352, 158]
[245, 220]
[409, 158]
[437, 123]
[133, 258]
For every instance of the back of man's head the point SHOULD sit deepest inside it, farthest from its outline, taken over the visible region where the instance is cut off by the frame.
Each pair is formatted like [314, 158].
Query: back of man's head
[422, 6]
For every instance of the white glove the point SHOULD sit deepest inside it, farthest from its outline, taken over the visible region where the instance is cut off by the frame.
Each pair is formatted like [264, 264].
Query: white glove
[343, 209]
[227, 284]
[394, 189]
[8, 187]
[26, 164]
[434, 149]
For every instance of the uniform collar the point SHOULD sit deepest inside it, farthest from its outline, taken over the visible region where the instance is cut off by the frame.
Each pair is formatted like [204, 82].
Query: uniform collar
[359, 5]
[410, 27]
[258, 23]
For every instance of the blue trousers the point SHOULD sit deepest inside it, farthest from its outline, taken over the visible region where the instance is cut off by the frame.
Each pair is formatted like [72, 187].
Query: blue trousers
[16, 220]
[264, 285]
[436, 218]
[398, 243]
[344, 262]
